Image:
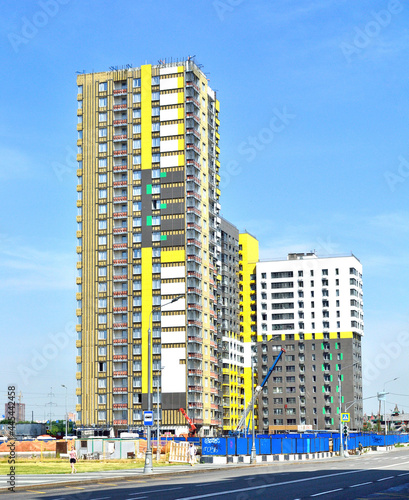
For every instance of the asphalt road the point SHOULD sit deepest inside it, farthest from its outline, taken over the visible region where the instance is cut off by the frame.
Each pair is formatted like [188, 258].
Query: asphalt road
[377, 475]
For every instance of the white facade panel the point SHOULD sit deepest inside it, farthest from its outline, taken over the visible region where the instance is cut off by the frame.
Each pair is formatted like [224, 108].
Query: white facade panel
[166, 146]
[172, 272]
[168, 70]
[168, 114]
[168, 99]
[173, 289]
[173, 337]
[173, 321]
[169, 161]
[169, 83]
[166, 130]
[174, 373]
[179, 305]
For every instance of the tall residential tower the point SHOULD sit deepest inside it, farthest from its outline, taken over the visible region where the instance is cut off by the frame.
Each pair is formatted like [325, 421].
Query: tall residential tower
[148, 233]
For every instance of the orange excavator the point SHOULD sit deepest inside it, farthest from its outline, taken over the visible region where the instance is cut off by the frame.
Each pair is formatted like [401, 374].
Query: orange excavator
[192, 427]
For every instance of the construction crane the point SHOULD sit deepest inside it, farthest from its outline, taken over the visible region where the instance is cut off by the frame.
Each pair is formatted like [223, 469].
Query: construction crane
[257, 390]
[192, 427]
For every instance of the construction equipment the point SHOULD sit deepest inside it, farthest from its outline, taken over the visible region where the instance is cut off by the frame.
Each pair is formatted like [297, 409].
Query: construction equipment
[257, 390]
[192, 427]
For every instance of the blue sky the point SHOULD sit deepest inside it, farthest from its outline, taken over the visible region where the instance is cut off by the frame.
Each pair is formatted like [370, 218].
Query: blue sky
[315, 154]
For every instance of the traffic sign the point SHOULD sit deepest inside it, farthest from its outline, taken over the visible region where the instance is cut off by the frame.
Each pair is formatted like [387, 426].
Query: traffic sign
[148, 418]
[345, 417]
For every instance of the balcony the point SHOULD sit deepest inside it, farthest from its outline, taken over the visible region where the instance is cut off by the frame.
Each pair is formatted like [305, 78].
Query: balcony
[193, 132]
[119, 326]
[120, 374]
[194, 339]
[214, 375]
[193, 210]
[120, 168]
[194, 163]
[120, 137]
[191, 84]
[120, 199]
[120, 293]
[120, 309]
[120, 230]
[120, 277]
[194, 117]
[194, 274]
[193, 241]
[120, 183]
[194, 101]
[119, 106]
[119, 246]
[197, 373]
[120, 341]
[196, 404]
[191, 146]
[195, 355]
[194, 290]
[119, 262]
[195, 388]
[193, 322]
[120, 389]
[195, 307]
[120, 152]
[120, 357]
[120, 122]
[120, 215]
[120, 422]
[120, 91]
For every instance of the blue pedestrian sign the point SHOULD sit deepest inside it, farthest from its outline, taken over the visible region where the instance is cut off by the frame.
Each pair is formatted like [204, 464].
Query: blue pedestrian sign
[148, 418]
[345, 417]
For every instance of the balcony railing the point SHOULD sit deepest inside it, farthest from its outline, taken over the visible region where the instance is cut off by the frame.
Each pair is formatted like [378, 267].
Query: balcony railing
[119, 106]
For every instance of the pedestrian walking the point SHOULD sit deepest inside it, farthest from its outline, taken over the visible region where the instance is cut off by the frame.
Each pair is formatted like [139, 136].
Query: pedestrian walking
[73, 459]
[192, 453]
[360, 448]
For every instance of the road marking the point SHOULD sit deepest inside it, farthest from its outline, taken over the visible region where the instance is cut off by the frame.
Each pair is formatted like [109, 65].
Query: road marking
[360, 484]
[100, 498]
[34, 491]
[326, 492]
[108, 484]
[385, 478]
[403, 474]
[156, 491]
[74, 487]
[294, 481]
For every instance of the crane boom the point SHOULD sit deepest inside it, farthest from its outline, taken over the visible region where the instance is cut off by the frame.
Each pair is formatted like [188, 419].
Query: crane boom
[256, 392]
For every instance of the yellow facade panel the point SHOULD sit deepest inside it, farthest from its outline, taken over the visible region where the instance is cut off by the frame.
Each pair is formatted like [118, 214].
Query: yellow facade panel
[146, 115]
[173, 256]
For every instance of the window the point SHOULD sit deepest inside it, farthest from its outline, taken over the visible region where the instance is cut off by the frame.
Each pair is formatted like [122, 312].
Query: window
[102, 86]
[102, 351]
[136, 160]
[137, 222]
[155, 80]
[155, 142]
[102, 193]
[156, 111]
[102, 240]
[137, 301]
[136, 98]
[136, 82]
[102, 318]
[155, 158]
[155, 220]
[137, 191]
[136, 175]
[137, 129]
[102, 255]
[102, 117]
[155, 127]
[155, 96]
[102, 303]
[137, 206]
[156, 252]
[102, 400]
[102, 287]
[137, 144]
[102, 209]
[156, 189]
[102, 178]
[156, 173]
[136, 113]
[137, 253]
[102, 102]
[102, 147]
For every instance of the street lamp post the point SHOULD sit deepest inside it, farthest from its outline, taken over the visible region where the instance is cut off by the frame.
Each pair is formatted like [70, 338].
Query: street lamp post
[253, 446]
[148, 469]
[384, 404]
[158, 410]
[66, 412]
[341, 445]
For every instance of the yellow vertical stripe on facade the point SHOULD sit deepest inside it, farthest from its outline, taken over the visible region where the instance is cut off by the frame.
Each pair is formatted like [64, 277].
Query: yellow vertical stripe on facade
[146, 114]
[146, 310]
[180, 82]
[181, 113]
[181, 160]
[181, 128]
[181, 96]
[181, 69]
[181, 144]
[249, 256]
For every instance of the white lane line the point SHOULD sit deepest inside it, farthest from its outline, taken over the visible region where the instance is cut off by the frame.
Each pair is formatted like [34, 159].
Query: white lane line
[156, 491]
[385, 478]
[326, 492]
[403, 474]
[294, 481]
[360, 484]
[100, 498]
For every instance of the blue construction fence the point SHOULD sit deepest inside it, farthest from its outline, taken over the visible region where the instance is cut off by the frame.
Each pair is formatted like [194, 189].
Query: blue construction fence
[295, 444]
